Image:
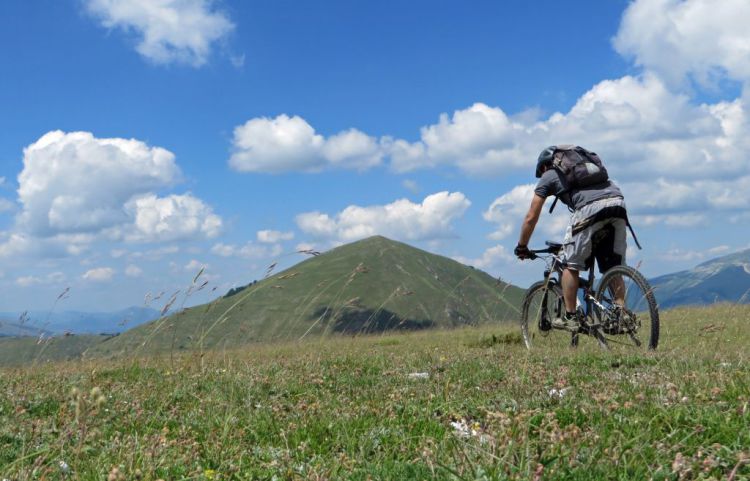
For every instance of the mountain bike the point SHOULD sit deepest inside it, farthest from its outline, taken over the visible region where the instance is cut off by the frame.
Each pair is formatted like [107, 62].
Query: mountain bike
[621, 309]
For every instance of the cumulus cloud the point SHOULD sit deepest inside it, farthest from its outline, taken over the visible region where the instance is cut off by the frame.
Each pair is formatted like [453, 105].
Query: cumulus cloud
[491, 258]
[274, 236]
[284, 144]
[74, 185]
[99, 274]
[402, 219]
[172, 218]
[133, 271]
[51, 278]
[508, 210]
[168, 31]
[250, 251]
[702, 39]
[74, 182]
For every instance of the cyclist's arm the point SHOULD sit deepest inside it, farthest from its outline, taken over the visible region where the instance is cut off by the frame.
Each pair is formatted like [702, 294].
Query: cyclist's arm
[532, 216]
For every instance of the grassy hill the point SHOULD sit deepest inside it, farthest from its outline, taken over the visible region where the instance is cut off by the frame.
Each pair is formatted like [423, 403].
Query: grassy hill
[16, 351]
[462, 404]
[367, 286]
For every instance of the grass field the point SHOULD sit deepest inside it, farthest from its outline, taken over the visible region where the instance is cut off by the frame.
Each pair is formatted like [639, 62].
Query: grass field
[460, 404]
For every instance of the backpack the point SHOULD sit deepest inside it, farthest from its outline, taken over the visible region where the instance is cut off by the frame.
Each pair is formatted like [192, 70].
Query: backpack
[579, 167]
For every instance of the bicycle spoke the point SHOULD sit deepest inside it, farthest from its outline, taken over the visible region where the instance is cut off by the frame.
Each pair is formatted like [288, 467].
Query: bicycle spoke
[629, 315]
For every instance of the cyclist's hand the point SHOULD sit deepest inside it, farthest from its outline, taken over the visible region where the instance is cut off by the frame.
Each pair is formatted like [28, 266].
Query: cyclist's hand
[522, 252]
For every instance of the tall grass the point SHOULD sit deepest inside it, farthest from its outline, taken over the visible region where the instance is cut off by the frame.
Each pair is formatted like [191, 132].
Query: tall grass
[462, 404]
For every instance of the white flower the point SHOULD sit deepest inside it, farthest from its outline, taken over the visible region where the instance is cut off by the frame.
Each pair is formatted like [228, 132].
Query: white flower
[558, 393]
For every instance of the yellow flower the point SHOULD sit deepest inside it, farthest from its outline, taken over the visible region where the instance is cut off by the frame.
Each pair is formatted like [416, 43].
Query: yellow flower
[210, 474]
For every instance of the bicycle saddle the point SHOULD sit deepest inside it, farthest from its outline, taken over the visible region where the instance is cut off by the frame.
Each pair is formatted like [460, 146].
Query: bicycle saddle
[554, 245]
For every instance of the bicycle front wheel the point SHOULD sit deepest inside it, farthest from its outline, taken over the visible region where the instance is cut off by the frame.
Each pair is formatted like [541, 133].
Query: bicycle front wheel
[542, 303]
[629, 313]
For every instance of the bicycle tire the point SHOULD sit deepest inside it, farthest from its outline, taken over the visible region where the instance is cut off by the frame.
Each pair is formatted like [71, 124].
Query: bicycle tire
[530, 331]
[643, 303]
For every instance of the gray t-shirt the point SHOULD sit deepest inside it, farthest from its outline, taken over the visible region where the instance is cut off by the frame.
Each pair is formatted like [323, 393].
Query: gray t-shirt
[551, 183]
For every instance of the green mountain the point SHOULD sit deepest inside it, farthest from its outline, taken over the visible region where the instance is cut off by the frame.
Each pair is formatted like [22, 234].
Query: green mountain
[369, 286]
[16, 351]
[724, 279]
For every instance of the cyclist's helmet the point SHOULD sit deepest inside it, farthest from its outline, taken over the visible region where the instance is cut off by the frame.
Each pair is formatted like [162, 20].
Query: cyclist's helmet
[545, 159]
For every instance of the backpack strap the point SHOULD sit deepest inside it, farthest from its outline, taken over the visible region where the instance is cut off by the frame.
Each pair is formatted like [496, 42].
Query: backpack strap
[554, 203]
[632, 232]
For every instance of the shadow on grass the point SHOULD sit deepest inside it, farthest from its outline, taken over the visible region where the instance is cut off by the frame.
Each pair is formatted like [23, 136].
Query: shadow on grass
[354, 320]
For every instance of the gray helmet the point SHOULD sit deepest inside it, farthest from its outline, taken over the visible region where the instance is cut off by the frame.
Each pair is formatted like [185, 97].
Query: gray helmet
[545, 159]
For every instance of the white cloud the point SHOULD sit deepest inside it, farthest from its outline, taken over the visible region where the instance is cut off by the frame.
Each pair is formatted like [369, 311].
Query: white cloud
[74, 182]
[156, 254]
[195, 265]
[52, 278]
[681, 255]
[99, 274]
[286, 144]
[638, 126]
[248, 251]
[352, 149]
[75, 189]
[491, 258]
[274, 236]
[168, 31]
[133, 271]
[703, 39]
[172, 218]
[508, 211]
[471, 139]
[402, 219]
[12, 244]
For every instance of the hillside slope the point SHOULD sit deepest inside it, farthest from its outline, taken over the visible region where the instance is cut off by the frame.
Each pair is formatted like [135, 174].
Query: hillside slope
[18, 351]
[724, 279]
[372, 285]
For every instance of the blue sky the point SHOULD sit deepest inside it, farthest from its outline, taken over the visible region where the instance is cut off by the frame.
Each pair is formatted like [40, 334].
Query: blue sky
[142, 140]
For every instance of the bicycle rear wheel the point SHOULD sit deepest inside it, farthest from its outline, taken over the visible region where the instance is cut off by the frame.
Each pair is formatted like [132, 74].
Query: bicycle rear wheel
[630, 315]
[542, 303]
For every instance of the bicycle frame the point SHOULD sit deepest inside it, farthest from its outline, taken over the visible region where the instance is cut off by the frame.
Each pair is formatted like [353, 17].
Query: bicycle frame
[585, 286]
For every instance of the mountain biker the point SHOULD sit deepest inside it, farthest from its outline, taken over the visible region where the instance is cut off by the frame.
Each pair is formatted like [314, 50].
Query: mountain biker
[597, 211]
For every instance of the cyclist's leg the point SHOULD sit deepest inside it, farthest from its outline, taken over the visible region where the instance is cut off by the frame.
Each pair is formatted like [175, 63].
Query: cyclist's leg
[610, 251]
[576, 256]
[570, 288]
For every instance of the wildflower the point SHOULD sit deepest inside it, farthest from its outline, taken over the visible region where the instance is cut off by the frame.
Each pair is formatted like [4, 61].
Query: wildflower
[64, 468]
[460, 428]
[210, 474]
[558, 393]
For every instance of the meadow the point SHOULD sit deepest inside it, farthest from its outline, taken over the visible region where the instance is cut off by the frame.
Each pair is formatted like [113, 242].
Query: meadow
[461, 404]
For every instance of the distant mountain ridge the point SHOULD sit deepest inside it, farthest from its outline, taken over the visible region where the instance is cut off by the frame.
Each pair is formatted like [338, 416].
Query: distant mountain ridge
[35, 323]
[724, 279]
